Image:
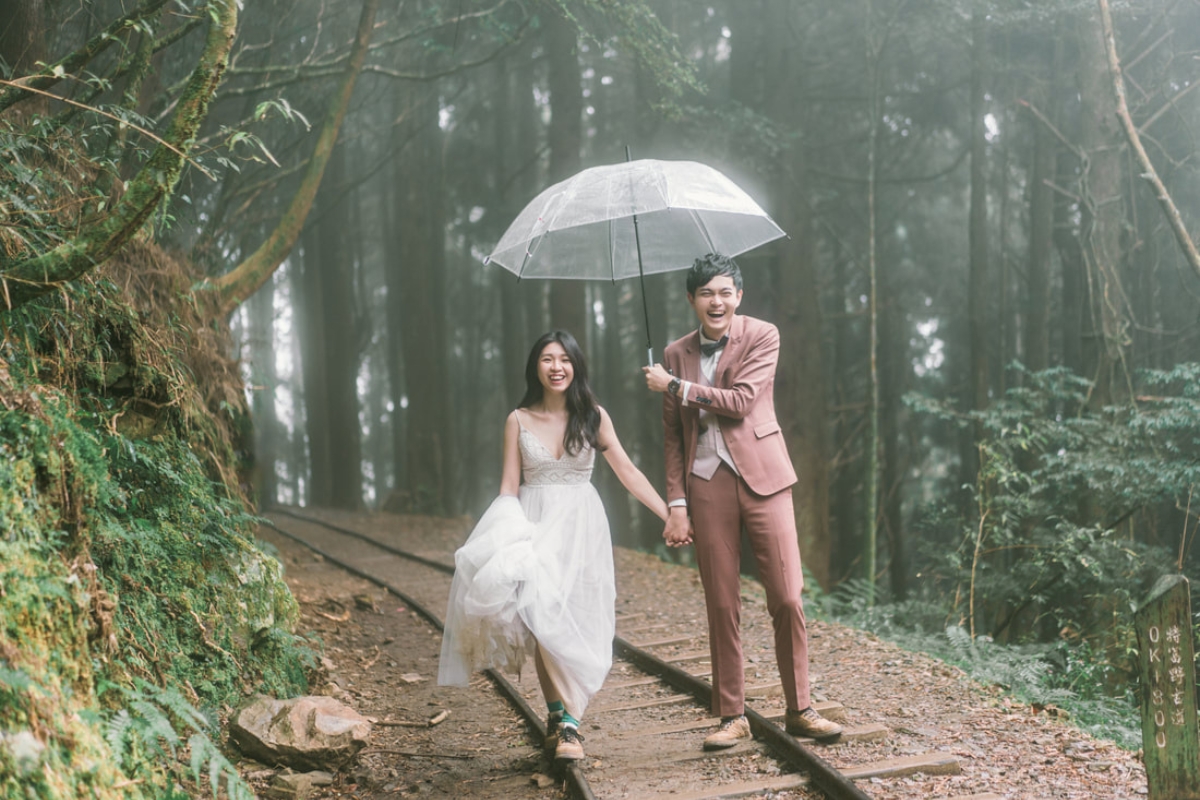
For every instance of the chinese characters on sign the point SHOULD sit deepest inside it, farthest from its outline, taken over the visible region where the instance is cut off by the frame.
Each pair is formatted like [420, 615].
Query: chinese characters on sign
[1166, 696]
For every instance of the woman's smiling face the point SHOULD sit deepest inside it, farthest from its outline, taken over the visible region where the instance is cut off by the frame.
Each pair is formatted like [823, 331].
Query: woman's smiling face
[555, 369]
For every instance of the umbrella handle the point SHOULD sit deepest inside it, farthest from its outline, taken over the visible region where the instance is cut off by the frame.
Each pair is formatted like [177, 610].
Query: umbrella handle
[649, 356]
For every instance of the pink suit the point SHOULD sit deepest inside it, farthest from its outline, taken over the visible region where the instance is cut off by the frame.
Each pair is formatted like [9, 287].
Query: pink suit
[758, 496]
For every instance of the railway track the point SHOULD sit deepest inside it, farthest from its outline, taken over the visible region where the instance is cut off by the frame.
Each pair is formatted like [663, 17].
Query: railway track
[643, 728]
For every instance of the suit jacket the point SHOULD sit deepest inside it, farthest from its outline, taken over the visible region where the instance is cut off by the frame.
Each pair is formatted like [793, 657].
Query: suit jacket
[742, 398]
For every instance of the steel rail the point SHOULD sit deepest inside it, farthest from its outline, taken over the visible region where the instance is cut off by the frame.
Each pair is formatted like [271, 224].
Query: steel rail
[576, 781]
[823, 775]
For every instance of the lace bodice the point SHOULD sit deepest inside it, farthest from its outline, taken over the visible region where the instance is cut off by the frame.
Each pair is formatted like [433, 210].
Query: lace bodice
[540, 468]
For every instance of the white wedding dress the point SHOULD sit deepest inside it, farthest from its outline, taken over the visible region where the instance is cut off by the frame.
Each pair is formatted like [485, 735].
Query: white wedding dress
[537, 567]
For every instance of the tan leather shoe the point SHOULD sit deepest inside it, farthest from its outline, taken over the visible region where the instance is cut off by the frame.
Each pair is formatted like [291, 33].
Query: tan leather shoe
[570, 744]
[811, 724]
[728, 733]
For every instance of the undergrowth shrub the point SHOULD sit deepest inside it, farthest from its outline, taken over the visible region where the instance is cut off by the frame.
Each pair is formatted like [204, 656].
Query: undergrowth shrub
[127, 560]
[1032, 586]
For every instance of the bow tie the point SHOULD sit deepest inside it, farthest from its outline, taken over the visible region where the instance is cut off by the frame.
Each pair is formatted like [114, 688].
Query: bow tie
[708, 348]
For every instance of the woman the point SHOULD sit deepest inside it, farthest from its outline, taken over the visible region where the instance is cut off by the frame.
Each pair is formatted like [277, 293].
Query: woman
[536, 575]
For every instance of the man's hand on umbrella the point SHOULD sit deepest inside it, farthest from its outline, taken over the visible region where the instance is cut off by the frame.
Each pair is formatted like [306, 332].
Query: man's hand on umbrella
[657, 378]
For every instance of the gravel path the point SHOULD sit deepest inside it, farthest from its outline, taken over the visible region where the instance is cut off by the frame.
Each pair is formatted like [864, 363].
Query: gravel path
[383, 661]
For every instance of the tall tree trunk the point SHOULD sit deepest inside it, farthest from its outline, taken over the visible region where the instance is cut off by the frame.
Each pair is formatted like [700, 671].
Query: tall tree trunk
[800, 380]
[515, 119]
[893, 357]
[1103, 218]
[844, 517]
[1041, 225]
[1074, 282]
[337, 274]
[871, 443]
[394, 309]
[979, 288]
[565, 137]
[264, 384]
[421, 267]
[311, 323]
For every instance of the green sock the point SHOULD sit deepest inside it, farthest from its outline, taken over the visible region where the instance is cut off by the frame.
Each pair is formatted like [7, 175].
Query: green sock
[567, 719]
[557, 709]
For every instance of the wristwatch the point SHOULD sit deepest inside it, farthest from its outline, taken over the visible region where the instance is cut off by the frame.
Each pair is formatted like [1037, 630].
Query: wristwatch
[673, 386]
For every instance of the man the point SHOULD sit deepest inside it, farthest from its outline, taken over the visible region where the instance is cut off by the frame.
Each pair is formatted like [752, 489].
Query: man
[728, 465]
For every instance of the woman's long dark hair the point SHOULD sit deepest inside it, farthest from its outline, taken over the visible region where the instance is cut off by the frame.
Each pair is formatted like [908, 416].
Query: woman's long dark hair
[583, 412]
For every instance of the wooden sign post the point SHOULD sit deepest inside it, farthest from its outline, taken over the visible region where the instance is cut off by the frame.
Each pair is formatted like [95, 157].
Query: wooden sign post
[1170, 736]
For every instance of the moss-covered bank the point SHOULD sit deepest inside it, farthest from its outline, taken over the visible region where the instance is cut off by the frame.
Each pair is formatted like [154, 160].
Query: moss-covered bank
[130, 584]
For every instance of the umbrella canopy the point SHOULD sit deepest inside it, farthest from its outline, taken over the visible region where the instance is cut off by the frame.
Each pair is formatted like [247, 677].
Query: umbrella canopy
[584, 227]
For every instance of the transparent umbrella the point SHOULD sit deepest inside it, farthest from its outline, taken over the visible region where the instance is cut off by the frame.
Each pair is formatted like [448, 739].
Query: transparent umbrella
[632, 219]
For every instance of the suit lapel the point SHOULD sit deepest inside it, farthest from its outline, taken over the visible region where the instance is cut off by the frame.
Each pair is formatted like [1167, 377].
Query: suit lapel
[691, 362]
[730, 354]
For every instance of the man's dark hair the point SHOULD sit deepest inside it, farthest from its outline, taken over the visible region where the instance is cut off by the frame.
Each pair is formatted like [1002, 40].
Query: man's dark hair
[712, 265]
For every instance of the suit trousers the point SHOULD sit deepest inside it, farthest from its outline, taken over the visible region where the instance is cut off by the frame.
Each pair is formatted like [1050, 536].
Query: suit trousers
[720, 507]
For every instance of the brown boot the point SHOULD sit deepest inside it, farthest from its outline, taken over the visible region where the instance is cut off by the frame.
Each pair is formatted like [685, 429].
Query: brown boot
[570, 743]
[811, 724]
[731, 731]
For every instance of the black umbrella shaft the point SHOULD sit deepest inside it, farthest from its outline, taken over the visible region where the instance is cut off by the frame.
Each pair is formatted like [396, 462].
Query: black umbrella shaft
[637, 241]
[645, 310]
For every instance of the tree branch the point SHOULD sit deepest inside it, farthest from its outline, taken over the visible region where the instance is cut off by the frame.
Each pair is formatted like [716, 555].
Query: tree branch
[42, 274]
[1186, 244]
[55, 72]
[235, 287]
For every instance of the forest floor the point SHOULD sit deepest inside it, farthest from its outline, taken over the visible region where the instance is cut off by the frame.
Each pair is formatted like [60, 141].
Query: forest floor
[381, 659]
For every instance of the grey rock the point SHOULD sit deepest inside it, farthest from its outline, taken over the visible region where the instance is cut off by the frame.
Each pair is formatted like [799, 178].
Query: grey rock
[305, 733]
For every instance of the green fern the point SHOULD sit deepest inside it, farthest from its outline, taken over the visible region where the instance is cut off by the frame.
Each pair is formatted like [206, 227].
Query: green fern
[146, 730]
[116, 733]
[203, 750]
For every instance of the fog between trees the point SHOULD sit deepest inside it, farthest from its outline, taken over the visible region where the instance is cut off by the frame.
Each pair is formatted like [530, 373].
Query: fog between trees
[964, 208]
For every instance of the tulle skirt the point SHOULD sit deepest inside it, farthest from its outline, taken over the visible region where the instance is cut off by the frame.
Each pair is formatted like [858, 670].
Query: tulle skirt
[536, 570]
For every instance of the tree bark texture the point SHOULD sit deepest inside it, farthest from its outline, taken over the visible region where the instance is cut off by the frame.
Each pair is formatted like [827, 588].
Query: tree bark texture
[1105, 336]
[800, 380]
[156, 179]
[337, 228]
[312, 322]
[420, 279]
[1170, 211]
[1041, 232]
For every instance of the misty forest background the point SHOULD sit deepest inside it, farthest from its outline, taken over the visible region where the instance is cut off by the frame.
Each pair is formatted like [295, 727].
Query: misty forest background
[989, 302]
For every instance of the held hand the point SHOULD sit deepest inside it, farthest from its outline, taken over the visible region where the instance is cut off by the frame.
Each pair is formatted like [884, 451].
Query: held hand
[678, 531]
[657, 378]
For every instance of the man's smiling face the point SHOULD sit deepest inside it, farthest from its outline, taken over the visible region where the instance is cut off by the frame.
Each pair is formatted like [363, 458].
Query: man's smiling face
[715, 303]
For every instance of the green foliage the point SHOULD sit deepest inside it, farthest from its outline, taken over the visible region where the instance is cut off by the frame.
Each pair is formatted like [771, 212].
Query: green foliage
[144, 733]
[1061, 541]
[126, 556]
[1069, 678]
[1033, 585]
